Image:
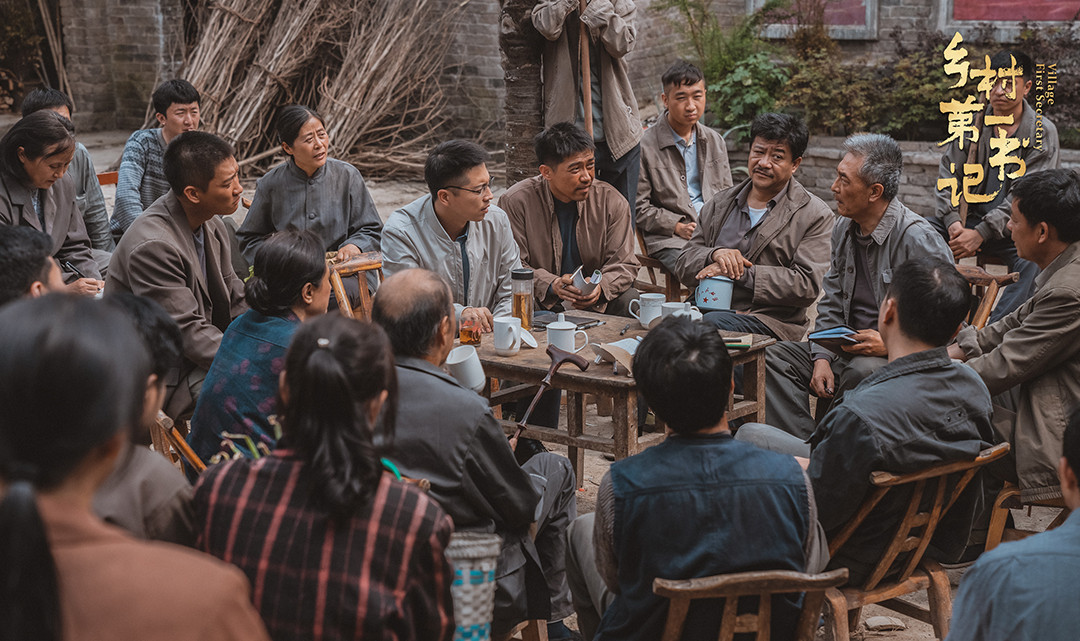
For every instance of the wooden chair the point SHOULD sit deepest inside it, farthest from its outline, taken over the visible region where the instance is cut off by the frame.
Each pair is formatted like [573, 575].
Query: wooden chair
[359, 266]
[910, 573]
[1009, 498]
[672, 288]
[108, 178]
[731, 587]
[171, 444]
[986, 287]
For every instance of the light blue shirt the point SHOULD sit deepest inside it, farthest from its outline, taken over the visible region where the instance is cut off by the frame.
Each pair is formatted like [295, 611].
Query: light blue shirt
[1023, 591]
[693, 172]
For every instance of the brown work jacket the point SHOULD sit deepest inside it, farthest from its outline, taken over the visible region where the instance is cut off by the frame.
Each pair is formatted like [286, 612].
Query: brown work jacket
[663, 198]
[604, 236]
[790, 252]
[1034, 354]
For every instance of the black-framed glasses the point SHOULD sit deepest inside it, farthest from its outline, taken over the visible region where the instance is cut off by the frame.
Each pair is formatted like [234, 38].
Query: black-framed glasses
[479, 191]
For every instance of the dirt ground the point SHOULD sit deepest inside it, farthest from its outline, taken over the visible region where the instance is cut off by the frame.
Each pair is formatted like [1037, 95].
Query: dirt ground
[105, 149]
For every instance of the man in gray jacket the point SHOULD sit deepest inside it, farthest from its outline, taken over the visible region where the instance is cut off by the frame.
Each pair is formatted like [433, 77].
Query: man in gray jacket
[448, 435]
[456, 232]
[1030, 360]
[875, 234]
[768, 234]
[683, 165]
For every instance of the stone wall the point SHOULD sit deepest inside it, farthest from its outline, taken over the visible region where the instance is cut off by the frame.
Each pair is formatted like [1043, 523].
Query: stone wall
[116, 52]
[917, 185]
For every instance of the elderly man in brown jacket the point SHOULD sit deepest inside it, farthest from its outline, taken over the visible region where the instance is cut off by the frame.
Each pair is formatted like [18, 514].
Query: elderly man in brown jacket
[616, 125]
[683, 165]
[1030, 359]
[768, 233]
[177, 253]
[563, 220]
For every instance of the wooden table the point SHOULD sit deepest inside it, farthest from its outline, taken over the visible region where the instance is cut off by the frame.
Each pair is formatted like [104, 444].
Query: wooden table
[529, 366]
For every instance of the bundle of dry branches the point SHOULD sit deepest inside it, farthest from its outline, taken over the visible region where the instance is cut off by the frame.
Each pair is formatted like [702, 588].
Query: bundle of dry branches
[370, 67]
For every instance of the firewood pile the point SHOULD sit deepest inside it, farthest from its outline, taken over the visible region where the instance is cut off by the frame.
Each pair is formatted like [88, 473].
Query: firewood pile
[369, 67]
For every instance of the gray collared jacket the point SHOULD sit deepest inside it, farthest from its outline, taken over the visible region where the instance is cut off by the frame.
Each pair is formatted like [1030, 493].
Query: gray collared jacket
[63, 220]
[1042, 153]
[1036, 351]
[334, 203]
[900, 235]
[663, 198]
[414, 237]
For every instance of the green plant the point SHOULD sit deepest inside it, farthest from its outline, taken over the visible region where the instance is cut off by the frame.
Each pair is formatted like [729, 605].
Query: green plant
[747, 91]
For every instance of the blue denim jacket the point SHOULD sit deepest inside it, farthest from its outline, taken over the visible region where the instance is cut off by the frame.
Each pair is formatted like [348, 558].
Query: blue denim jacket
[695, 506]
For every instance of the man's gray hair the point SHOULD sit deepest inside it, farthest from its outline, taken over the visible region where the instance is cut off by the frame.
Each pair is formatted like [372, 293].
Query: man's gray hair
[883, 162]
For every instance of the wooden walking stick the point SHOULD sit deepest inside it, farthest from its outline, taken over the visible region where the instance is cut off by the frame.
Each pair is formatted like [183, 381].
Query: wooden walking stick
[586, 72]
[558, 358]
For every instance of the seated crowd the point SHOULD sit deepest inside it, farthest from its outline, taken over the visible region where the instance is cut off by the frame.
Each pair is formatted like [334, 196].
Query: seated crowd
[306, 524]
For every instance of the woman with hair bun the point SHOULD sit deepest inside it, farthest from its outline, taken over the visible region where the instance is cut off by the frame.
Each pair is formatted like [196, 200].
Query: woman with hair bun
[290, 283]
[312, 191]
[73, 377]
[335, 546]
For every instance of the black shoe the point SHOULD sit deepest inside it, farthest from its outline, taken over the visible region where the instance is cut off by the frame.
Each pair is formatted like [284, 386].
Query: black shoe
[527, 448]
[559, 632]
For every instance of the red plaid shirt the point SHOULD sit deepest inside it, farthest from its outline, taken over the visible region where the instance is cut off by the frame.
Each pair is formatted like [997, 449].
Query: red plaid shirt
[379, 575]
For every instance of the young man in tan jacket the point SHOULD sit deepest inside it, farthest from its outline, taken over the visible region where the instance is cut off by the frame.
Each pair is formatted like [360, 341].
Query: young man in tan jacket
[1030, 359]
[768, 234]
[563, 219]
[683, 165]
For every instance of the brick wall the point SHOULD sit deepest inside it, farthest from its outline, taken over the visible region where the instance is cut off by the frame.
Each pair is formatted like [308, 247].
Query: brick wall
[917, 185]
[116, 52]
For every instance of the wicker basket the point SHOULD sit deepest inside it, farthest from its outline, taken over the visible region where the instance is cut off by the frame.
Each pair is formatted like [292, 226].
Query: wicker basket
[473, 556]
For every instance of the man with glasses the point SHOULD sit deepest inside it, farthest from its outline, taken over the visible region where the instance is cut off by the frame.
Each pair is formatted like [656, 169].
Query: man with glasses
[985, 229]
[455, 231]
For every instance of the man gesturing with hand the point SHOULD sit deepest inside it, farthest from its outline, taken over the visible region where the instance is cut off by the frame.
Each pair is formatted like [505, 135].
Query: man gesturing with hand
[875, 234]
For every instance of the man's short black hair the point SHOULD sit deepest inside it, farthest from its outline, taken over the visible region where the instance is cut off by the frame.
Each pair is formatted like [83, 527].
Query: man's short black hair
[46, 98]
[174, 92]
[156, 328]
[25, 257]
[932, 299]
[1051, 196]
[560, 141]
[1071, 443]
[680, 74]
[683, 370]
[410, 306]
[448, 162]
[192, 159]
[1001, 60]
[786, 128]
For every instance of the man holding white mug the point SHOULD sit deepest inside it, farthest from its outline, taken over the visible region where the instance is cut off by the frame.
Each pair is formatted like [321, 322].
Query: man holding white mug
[447, 434]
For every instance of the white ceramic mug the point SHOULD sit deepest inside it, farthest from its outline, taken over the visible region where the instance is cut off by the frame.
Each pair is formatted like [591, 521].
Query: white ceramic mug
[507, 335]
[563, 334]
[464, 365]
[667, 309]
[688, 310]
[649, 308]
